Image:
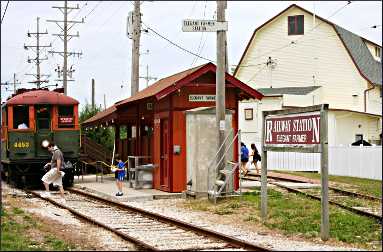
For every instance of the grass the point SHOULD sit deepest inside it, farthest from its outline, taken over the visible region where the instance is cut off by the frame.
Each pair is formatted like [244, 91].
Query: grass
[293, 214]
[16, 224]
[364, 186]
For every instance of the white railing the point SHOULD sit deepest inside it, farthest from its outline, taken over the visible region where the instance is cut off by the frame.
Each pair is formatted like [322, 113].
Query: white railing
[353, 161]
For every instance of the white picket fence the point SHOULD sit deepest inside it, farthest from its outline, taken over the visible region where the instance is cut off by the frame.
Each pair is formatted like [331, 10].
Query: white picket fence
[353, 161]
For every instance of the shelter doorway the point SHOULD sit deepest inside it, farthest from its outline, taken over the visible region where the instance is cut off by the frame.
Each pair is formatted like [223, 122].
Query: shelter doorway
[164, 166]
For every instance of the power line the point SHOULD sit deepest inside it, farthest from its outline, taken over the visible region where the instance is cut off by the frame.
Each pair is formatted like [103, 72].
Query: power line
[176, 45]
[199, 49]
[256, 73]
[186, 50]
[6, 7]
[87, 15]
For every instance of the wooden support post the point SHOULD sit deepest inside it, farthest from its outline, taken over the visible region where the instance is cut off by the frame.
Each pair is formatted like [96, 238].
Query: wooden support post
[325, 226]
[263, 174]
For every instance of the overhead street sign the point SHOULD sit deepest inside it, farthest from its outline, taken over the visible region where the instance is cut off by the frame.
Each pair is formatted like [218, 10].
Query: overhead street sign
[193, 25]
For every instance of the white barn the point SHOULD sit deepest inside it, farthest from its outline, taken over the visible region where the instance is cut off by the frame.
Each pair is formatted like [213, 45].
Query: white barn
[297, 60]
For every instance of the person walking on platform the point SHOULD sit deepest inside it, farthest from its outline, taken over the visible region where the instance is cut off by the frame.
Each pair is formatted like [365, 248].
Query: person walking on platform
[256, 157]
[244, 158]
[120, 174]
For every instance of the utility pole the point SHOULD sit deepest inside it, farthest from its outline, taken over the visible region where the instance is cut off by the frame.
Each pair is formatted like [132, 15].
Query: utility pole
[37, 60]
[93, 94]
[104, 101]
[136, 48]
[15, 82]
[220, 81]
[147, 77]
[64, 37]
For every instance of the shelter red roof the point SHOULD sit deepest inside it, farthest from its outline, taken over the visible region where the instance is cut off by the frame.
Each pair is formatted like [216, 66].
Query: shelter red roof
[105, 115]
[41, 97]
[170, 84]
[159, 86]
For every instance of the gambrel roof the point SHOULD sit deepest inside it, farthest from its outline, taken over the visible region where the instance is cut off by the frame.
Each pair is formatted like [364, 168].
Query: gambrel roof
[355, 45]
[367, 65]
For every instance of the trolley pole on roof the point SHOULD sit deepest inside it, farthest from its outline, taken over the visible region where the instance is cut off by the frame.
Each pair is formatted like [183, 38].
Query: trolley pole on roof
[220, 81]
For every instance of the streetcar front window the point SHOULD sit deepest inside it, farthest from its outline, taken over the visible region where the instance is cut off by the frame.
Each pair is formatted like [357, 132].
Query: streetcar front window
[21, 117]
[43, 117]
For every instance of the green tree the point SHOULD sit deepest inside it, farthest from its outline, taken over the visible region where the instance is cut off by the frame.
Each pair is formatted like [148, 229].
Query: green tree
[101, 135]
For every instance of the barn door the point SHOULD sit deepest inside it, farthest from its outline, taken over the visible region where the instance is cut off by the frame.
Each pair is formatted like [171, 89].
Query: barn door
[164, 169]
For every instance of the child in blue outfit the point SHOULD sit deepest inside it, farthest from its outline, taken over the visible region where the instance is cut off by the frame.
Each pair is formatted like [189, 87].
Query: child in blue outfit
[244, 158]
[120, 174]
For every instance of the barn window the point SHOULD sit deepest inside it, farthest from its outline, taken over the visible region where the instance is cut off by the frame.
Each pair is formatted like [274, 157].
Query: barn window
[295, 25]
[66, 117]
[21, 117]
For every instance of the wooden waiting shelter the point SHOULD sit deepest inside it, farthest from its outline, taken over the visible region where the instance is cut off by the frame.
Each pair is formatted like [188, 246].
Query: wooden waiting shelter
[154, 120]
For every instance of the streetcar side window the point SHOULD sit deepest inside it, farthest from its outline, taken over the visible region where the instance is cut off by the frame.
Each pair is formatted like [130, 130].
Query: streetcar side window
[3, 123]
[21, 117]
[66, 117]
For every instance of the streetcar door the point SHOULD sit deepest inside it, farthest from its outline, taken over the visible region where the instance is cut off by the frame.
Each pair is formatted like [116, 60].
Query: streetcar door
[43, 128]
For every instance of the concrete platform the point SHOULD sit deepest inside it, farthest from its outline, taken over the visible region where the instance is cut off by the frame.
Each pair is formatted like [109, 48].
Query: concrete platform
[108, 188]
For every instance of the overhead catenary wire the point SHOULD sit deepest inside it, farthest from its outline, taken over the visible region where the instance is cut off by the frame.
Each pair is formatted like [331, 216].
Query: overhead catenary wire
[176, 45]
[184, 49]
[6, 7]
[199, 49]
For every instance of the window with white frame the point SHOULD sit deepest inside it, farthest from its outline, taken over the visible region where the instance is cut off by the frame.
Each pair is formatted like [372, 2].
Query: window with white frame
[248, 114]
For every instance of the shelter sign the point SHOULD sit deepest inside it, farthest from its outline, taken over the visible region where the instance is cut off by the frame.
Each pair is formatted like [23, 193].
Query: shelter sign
[294, 130]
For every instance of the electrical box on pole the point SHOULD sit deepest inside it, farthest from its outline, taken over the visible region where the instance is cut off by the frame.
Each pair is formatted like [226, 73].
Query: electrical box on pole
[129, 25]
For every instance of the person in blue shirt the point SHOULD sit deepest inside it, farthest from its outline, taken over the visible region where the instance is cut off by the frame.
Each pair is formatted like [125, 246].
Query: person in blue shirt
[120, 174]
[244, 158]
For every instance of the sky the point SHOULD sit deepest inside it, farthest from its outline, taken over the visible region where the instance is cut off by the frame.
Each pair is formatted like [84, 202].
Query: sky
[106, 49]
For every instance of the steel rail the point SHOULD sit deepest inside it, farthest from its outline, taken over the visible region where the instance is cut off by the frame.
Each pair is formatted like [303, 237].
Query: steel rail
[235, 242]
[360, 195]
[139, 243]
[358, 211]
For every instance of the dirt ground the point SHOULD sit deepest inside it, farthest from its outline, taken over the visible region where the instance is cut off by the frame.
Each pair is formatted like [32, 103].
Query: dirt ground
[84, 236]
[61, 224]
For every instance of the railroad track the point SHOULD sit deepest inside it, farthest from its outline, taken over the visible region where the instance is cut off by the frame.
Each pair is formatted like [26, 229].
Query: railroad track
[149, 231]
[361, 204]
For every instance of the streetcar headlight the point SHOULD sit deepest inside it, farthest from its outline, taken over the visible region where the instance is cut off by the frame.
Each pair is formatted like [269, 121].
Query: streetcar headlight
[45, 143]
